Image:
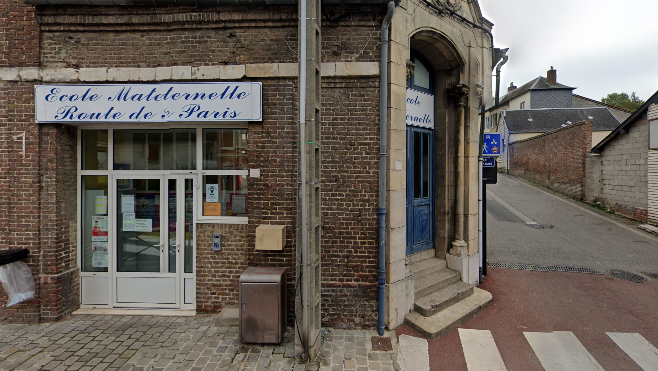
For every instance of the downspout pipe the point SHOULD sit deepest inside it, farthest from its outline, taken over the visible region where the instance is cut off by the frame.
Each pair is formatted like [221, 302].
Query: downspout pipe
[482, 205]
[498, 67]
[383, 127]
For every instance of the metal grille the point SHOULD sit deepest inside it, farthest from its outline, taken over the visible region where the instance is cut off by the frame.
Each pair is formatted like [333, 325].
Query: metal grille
[381, 343]
[542, 268]
[628, 276]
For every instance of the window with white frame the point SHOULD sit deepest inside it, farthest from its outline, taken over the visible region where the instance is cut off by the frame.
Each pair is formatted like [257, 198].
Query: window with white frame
[219, 165]
[224, 176]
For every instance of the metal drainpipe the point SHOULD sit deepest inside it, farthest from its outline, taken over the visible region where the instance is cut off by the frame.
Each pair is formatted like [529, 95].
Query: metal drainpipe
[500, 65]
[481, 197]
[381, 210]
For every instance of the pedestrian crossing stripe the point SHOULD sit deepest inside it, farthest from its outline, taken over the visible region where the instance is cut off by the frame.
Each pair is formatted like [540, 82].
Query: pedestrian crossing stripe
[561, 350]
[638, 348]
[556, 351]
[480, 351]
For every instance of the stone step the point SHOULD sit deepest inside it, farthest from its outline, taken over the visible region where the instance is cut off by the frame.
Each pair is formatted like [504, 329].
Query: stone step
[427, 254]
[443, 298]
[448, 319]
[425, 285]
[427, 267]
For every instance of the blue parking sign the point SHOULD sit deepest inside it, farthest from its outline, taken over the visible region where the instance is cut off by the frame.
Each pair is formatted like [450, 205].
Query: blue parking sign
[491, 146]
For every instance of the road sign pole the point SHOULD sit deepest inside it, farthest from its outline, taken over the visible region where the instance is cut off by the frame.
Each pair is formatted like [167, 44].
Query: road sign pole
[484, 227]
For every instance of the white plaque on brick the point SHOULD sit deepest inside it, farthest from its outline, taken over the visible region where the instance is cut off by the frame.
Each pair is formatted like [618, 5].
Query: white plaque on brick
[185, 102]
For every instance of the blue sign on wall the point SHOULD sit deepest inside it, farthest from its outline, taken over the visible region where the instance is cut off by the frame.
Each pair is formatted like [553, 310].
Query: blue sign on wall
[492, 145]
[489, 161]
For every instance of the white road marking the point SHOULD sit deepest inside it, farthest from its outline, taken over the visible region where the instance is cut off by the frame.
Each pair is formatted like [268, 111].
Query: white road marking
[480, 351]
[510, 208]
[572, 203]
[638, 348]
[560, 351]
[413, 354]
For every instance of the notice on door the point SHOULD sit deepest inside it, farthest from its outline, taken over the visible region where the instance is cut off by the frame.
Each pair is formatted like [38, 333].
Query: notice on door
[99, 254]
[212, 192]
[99, 228]
[143, 225]
[101, 205]
[212, 209]
[129, 222]
[127, 203]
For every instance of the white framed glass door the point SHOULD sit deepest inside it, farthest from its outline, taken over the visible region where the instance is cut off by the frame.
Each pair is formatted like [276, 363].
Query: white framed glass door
[153, 241]
[181, 235]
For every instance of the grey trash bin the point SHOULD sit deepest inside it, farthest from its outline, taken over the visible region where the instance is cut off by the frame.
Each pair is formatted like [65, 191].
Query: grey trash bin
[263, 305]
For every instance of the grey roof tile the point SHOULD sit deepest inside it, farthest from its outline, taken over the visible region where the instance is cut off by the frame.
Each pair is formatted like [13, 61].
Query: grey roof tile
[545, 120]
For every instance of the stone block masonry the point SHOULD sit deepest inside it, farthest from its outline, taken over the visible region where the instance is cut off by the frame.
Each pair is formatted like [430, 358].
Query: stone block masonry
[620, 173]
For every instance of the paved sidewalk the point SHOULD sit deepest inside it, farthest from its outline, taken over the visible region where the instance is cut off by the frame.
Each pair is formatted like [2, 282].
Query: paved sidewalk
[142, 343]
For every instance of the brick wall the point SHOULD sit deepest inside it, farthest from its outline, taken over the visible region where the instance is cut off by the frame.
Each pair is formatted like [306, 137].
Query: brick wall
[181, 36]
[137, 37]
[350, 156]
[59, 274]
[272, 200]
[19, 174]
[19, 39]
[555, 160]
[623, 173]
[350, 143]
[19, 186]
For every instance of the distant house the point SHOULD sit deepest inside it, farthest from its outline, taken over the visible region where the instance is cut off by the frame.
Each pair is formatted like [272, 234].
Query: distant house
[583, 102]
[524, 124]
[556, 106]
[542, 92]
[622, 170]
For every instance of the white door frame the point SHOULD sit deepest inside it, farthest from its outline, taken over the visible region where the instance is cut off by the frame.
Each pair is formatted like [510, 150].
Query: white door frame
[164, 289]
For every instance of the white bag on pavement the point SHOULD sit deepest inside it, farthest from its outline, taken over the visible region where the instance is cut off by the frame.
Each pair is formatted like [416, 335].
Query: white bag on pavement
[17, 281]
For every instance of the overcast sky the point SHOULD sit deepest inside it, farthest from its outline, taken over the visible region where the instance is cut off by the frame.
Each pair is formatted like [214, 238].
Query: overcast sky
[597, 46]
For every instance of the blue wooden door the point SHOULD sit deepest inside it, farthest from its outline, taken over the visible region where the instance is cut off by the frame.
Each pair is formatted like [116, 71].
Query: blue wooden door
[420, 189]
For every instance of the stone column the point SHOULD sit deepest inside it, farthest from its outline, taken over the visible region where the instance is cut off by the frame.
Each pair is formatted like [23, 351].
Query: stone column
[459, 95]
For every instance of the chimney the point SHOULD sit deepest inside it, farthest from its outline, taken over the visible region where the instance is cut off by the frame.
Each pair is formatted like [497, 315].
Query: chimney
[511, 87]
[551, 77]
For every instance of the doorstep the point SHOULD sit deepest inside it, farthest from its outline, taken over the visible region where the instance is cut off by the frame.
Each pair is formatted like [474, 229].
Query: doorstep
[136, 312]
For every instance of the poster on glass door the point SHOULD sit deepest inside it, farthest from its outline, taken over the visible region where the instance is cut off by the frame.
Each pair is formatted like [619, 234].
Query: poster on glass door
[99, 254]
[99, 228]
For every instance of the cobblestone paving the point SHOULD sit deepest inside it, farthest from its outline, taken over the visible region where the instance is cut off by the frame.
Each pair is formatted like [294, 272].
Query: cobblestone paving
[143, 343]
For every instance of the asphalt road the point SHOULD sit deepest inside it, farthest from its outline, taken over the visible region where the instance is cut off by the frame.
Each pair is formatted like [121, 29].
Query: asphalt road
[567, 233]
[589, 306]
[531, 227]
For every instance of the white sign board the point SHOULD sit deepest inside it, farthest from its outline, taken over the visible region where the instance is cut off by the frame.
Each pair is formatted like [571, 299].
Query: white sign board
[212, 192]
[222, 101]
[420, 109]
